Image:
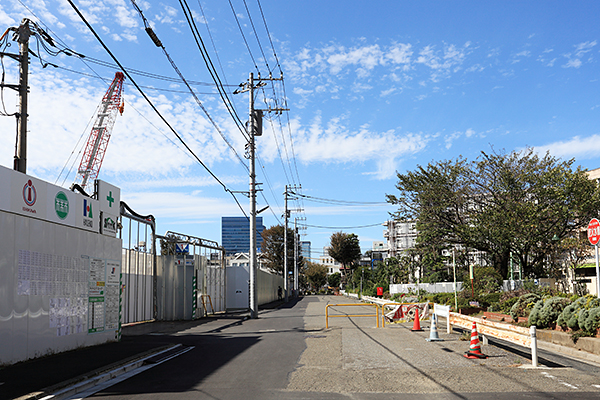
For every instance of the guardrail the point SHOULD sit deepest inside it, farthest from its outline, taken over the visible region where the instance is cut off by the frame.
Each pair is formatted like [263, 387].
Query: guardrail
[327, 316]
[511, 333]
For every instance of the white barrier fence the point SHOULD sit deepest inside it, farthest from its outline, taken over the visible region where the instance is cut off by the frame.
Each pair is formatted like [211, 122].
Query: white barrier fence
[511, 333]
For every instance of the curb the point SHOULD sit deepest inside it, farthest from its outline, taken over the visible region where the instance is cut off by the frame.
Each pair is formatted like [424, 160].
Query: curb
[76, 385]
[579, 355]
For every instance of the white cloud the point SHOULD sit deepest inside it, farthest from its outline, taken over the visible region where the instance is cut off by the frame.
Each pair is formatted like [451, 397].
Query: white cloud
[167, 15]
[581, 49]
[61, 108]
[5, 19]
[577, 147]
[366, 58]
[576, 63]
[178, 204]
[335, 142]
[449, 140]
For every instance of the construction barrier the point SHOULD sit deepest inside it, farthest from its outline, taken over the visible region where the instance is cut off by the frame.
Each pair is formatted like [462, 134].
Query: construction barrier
[202, 297]
[511, 333]
[327, 316]
[406, 311]
[443, 311]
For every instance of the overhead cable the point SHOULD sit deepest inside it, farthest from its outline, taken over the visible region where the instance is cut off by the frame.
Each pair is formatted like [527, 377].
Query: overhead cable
[211, 68]
[158, 43]
[341, 227]
[152, 105]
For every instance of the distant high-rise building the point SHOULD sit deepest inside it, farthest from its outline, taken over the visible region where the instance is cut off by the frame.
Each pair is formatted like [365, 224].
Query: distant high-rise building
[235, 234]
[305, 250]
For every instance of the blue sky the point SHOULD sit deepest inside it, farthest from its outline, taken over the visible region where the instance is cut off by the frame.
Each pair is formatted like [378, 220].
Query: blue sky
[373, 88]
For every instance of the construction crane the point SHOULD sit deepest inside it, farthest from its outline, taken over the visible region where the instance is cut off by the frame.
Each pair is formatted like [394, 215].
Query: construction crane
[95, 148]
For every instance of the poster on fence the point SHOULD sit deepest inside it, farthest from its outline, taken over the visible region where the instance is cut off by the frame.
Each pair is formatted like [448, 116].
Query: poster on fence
[407, 312]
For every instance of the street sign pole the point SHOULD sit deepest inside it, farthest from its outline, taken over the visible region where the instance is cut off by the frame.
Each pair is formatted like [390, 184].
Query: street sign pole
[597, 274]
[593, 233]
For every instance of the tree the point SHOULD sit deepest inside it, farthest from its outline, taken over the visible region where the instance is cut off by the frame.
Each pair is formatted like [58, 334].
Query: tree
[334, 280]
[500, 204]
[316, 275]
[272, 248]
[167, 245]
[344, 248]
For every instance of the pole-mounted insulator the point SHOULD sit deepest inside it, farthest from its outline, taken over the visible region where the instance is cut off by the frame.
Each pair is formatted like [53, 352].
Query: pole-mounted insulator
[153, 36]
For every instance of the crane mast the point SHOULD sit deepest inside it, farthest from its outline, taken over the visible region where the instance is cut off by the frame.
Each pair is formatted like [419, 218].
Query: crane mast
[97, 142]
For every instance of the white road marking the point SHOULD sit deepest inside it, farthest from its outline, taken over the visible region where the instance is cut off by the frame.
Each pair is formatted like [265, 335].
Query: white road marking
[113, 381]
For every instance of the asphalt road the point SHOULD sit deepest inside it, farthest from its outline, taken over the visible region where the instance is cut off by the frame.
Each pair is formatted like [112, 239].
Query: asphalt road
[288, 354]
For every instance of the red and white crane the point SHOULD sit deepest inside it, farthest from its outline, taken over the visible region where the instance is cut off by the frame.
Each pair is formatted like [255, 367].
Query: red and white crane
[96, 145]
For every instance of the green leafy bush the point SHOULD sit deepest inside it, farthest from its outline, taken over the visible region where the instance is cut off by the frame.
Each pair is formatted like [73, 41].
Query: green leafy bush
[523, 305]
[546, 312]
[575, 314]
[592, 320]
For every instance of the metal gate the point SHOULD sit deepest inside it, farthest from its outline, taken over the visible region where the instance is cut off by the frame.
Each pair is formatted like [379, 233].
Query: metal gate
[190, 277]
[137, 266]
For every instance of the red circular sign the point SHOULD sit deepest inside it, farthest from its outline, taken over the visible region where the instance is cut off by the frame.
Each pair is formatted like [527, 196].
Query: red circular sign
[593, 231]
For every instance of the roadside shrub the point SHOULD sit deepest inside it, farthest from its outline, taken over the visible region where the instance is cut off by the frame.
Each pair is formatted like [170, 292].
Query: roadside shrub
[523, 305]
[569, 316]
[575, 314]
[592, 320]
[486, 300]
[546, 312]
[506, 305]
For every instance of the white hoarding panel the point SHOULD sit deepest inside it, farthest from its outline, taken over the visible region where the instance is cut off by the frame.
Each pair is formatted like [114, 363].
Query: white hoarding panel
[28, 196]
[35, 198]
[5, 175]
[50, 254]
[109, 197]
[87, 214]
[62, 205]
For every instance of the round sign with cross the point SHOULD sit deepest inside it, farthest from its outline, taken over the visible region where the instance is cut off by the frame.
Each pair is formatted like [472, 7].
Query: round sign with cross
[593, 231]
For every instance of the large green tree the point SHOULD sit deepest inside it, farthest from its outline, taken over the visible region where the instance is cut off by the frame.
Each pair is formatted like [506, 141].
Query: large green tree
[272, 248]
[334, 280]
[316, 275]
[518, 203]
[344, 248]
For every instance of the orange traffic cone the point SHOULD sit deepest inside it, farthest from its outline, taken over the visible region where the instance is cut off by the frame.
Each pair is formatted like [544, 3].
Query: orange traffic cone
[417, 323]
[475, 348]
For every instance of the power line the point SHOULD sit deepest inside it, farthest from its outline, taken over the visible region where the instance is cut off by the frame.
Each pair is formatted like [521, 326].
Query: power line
[84, 60]
[159, 44]
[243, 36]
[256, 36]
[152, 104]
[341, 202]
[211, 68]
[129, 84]
[342, 227]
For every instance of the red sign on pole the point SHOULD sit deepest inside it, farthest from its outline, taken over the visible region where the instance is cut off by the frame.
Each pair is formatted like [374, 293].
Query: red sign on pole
[593, 231]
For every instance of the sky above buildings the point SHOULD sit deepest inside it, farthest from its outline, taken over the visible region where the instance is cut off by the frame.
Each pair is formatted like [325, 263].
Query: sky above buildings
[373, 89]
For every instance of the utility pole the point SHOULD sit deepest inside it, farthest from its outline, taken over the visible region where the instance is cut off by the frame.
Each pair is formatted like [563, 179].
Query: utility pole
[285, 229]
[285, 252]
[253, 266]
[23, 34]
[296, 249]
[254, 129]
[295, 257]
